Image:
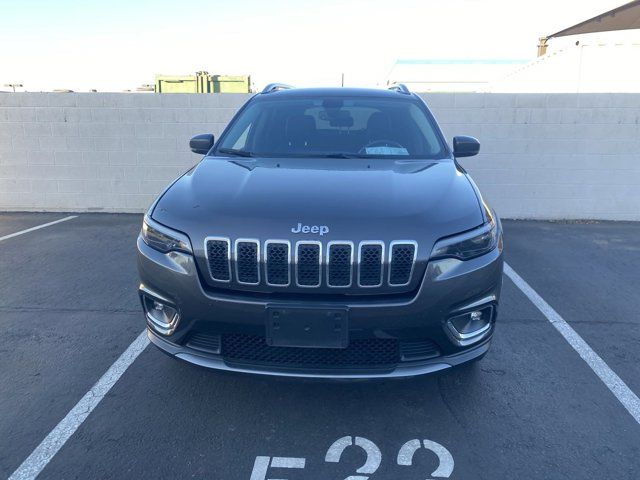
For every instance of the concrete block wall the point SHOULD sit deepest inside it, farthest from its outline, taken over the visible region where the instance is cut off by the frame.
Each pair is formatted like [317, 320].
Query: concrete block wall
[551, 156]
[110, 152]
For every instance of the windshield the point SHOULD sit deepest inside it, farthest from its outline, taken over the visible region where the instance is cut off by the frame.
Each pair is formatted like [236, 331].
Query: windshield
[333, 127]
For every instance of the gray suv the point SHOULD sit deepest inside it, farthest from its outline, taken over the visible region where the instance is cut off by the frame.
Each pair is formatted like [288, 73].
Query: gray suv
[327, 233]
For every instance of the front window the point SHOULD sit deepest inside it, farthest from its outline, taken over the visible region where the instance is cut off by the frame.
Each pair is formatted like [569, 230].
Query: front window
[333, 127]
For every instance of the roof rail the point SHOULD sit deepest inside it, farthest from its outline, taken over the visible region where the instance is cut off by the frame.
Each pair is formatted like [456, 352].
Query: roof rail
[400, 88]
[274, 87]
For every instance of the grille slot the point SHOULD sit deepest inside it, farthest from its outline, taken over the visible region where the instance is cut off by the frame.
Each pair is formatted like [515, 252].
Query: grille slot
[339, 261]
[219, 259]
[277, 259]
[247, 253]
[402, 256]
[418, 350]
[370, 264]
[308, 257]
[361, 353]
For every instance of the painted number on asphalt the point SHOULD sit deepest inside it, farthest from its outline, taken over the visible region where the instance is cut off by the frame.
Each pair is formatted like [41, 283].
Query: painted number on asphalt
[445, 460]
[374, 456]
[373, 460]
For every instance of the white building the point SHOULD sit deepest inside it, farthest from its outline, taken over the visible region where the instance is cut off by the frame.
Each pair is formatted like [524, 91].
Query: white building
[601, 54]
[456, 75]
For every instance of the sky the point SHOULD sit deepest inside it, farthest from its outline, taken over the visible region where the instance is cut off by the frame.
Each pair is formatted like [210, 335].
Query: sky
[121, 44]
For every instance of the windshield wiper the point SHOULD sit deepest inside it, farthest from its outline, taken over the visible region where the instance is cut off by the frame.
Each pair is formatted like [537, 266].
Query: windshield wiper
[237, 153]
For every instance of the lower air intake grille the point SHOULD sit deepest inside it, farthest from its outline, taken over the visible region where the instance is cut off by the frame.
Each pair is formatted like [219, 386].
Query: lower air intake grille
[418, 350]
[204, 342]
[402, 258]
[365, 353]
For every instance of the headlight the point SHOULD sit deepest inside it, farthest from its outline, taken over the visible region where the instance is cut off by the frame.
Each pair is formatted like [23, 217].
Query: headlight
[468, 245]
[162, 238]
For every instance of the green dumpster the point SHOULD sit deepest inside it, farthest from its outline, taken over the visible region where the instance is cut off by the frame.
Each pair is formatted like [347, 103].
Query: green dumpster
[176, 84]
[230, 84]
[202, 82]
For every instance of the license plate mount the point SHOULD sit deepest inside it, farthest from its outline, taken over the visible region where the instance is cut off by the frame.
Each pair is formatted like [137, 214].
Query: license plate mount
[307, 327]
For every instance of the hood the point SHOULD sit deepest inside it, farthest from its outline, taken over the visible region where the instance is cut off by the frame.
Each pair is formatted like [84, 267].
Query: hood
[355, 199]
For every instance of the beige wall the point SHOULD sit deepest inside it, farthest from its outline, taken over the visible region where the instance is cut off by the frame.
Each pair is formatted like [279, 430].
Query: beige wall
[553, 156]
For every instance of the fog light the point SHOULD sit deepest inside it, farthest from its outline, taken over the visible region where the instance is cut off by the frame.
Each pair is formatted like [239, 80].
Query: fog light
[162, 317]
[469, 327]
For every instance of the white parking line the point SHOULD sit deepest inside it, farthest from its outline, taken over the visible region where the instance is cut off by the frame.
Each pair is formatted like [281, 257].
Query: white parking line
[38, 227]
[53, 442]
[623, 393]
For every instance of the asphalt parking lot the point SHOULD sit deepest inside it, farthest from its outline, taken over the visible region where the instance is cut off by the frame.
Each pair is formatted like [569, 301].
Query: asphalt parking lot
[533, 408]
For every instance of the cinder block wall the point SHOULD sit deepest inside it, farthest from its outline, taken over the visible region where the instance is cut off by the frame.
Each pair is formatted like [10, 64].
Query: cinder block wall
[551, 156]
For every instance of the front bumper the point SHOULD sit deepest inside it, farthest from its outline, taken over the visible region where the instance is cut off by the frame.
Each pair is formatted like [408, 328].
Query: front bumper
[409, 369]
[449, 286]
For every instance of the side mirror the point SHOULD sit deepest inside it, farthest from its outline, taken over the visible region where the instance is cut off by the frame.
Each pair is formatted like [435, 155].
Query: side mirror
[201, 143]
[465, 146]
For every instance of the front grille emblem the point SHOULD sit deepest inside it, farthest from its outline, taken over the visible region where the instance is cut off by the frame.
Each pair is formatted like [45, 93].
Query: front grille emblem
[313, 229]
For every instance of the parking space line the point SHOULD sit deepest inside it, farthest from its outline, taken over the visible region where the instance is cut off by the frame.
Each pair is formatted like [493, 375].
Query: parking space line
[623, 393]
[55, 440]
[37, 227]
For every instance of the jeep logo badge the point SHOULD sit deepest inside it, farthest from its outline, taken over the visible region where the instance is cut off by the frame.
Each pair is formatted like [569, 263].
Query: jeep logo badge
[300, 228]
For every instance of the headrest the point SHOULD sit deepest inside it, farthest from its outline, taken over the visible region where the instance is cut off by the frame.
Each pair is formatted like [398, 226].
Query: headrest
[378, 123]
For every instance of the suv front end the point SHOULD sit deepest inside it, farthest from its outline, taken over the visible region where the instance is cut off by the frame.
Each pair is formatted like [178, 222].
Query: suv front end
[333, 267]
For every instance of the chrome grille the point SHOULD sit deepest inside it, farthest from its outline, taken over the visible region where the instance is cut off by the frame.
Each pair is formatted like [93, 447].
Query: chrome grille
[219, 258]
[370, 264]
[311, 264]
[277, 260]
[402, 256]
[340, 259]
[308, 258]
[246, 255]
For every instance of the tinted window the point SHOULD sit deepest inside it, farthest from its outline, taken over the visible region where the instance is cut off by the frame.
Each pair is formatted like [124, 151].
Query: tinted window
[358, 126]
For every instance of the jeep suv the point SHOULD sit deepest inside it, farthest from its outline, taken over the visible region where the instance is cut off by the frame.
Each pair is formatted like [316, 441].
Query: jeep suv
[327, 233]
